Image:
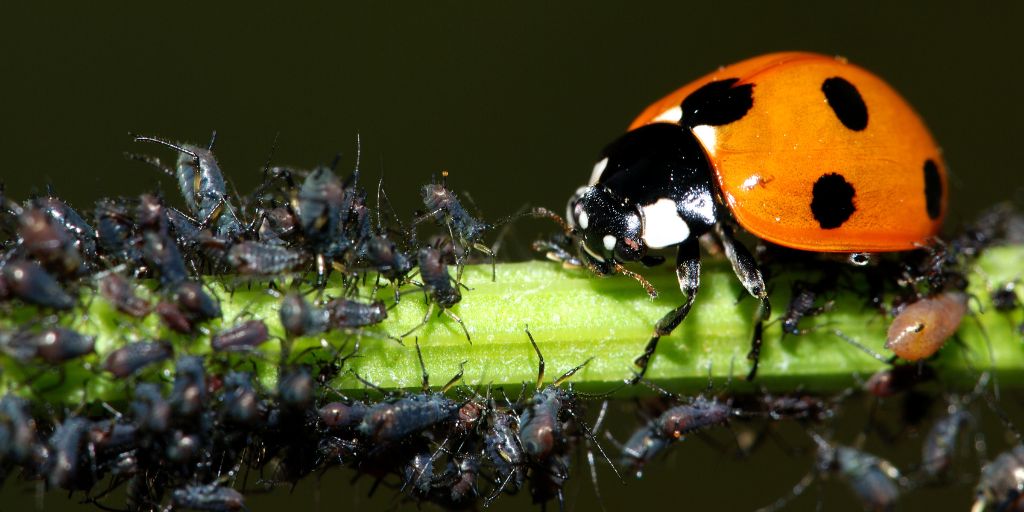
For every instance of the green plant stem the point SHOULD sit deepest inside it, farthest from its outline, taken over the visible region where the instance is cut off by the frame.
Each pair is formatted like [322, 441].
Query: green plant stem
[574, 317]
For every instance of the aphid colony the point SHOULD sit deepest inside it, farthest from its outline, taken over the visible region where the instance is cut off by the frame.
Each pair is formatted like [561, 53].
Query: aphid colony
[191, 442]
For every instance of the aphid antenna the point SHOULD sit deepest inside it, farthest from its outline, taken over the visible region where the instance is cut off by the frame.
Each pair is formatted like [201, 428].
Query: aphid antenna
[860, 346]
[590, 454]
[177, 147]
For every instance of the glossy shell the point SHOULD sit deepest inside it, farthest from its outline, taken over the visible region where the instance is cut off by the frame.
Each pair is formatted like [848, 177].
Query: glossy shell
[828, 157]
[920, 330]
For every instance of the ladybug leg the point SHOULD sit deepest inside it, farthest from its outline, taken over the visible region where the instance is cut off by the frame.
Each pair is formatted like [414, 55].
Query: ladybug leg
[746, 269]
[688, 274]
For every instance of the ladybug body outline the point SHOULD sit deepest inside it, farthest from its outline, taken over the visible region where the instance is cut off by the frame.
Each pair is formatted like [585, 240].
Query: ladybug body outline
[802, 150]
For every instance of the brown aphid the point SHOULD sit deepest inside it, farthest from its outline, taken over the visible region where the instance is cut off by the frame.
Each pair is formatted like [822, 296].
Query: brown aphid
[240, 338]
[920, 330]
[121, 294]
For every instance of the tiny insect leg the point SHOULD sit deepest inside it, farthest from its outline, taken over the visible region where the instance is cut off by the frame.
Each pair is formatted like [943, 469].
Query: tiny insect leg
[746, 269]
[688, 275]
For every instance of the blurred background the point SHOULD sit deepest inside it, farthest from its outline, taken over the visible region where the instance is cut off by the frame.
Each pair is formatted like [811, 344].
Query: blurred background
[515, 101]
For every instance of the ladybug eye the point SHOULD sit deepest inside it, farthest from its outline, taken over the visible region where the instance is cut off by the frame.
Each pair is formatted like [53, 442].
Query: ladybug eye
[609, 242]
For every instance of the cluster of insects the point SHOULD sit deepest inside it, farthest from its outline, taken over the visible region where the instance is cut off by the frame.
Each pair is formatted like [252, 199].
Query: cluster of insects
[204, 435]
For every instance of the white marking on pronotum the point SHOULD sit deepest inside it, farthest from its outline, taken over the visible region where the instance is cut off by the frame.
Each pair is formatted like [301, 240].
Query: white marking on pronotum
[662, 224]
[672, 115]
[609, 242]
[598, 169]
[707, 136]
[584, 220]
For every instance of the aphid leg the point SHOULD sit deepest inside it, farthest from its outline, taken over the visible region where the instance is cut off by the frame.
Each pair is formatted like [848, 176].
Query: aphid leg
[688, 275]
[540, 359]
[425, 384]
[746, 269]
[455, 317]
[456, 378]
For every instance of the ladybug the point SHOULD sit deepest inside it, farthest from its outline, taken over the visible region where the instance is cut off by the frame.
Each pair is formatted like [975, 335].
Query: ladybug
[802, 150]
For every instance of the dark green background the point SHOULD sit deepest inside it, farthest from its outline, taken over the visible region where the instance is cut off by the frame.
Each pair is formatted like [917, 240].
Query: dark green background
[514, 99]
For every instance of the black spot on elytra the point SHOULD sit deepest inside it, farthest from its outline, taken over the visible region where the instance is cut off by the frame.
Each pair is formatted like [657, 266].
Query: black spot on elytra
[846, 102]
[832, 200]
[717, 103]
[932, 189]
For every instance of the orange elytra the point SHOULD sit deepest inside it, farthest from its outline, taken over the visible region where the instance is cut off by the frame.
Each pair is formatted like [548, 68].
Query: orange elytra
[819, 121]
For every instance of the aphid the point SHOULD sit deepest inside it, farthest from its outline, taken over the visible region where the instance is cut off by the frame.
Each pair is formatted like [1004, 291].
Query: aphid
[504, 451]
[1001, 484]
[921, 329]
[555, 249]
[115, 232]
[195, 303]
[320, 206]
[300, 318]
[53, 345]
[64, 467]
[188, 396]
[240, 405]
[210, 498]
[541, 421]
[174, 318]
[28, 281]
[673, 424]
[393, 420]
[159, 250]
[133, 357]
[183, 448]
[699, 414]
[802, 303]
[110, 438]
[874, 481]
[295, 388]
[66, 216]
[544, 427]
[347, 313]
[1005, 298]
[262, 259]
[457, 485]
[49, 242]
[446, 209]
[152, 413]
[418, 474]
[121, 294]
[279, 225]
[240, 338]
[384, 256]
[202, 185]
[19, 442]
[438, 288]
[898, 379]
[341, 415]
[941, 441]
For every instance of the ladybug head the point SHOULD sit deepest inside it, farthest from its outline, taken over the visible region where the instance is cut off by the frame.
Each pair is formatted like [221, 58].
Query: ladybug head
[609, 228]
